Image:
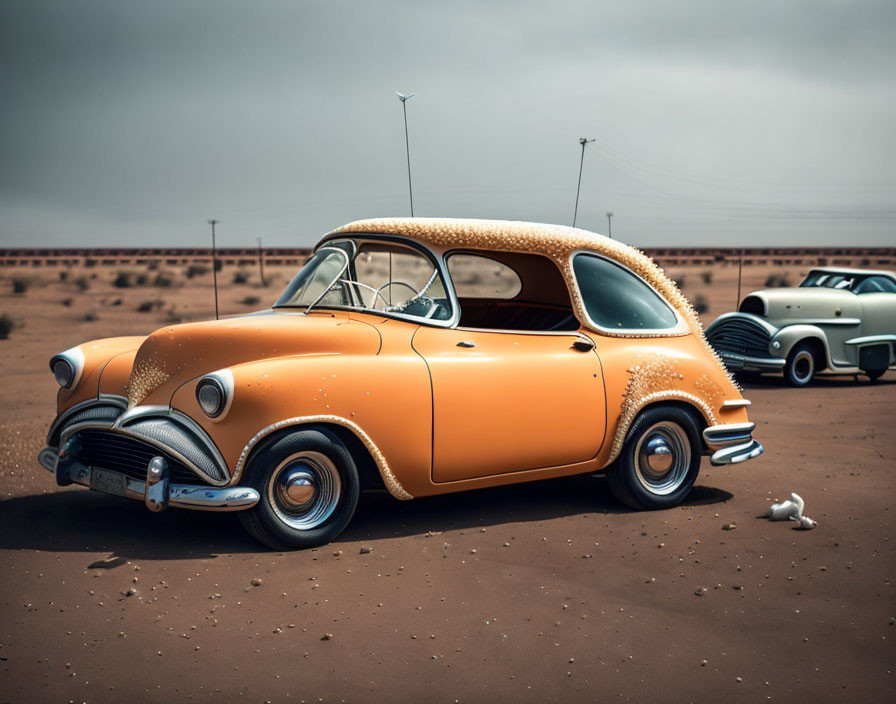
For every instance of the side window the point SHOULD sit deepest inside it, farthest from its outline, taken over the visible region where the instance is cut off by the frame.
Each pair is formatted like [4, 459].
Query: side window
[480, 277]
[616, 299]
[876, 284]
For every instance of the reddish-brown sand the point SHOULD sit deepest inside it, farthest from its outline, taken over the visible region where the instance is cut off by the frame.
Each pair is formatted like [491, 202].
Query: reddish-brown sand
[540, 592]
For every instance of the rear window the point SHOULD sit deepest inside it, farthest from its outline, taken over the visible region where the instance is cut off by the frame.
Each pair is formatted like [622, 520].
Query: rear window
[616, 299]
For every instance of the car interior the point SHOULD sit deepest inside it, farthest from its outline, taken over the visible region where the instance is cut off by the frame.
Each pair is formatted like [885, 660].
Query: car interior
[510, 291]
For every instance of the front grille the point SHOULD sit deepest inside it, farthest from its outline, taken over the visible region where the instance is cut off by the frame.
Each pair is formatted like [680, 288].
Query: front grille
[179, 439]
[741, 336]
[130, 456]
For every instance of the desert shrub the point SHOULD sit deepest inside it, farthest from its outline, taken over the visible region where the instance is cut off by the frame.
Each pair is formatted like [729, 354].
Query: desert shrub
[67, 302]
[251, 301]
[90, 316]
[681, 281]
[162, 281]
[777, 281]
[196, 270]
[153, 265]
[701, 305]
[142, 279]
[89, 262]
[219, 265]
[6, 326]
[241, 277]
[707, 277]
[81, 283]
[116, 302]
[172, 317]
[20, 284]
[63, 276]
[148, 306]
[123, 280]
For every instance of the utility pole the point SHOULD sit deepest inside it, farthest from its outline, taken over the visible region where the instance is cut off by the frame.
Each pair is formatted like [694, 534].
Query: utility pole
[404, 106]
[260, 262]
[740, 268]
[583, 141]
[610, 224]
[214, 222]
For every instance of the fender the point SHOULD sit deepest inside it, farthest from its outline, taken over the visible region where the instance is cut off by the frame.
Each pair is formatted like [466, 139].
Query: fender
[790, 335]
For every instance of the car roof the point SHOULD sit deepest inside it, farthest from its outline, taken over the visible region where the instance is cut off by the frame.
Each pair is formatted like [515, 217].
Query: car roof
[854, 272]
[557, 242]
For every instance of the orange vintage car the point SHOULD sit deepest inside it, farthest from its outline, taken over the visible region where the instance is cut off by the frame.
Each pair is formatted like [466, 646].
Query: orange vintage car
[421, 355]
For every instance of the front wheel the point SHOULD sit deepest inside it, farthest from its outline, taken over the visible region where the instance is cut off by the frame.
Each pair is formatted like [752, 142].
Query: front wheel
[309, 489]
[800, 366]
[659, 461]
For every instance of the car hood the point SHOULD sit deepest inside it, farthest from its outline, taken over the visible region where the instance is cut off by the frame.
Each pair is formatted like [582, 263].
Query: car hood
[790, 305]
[175, 354]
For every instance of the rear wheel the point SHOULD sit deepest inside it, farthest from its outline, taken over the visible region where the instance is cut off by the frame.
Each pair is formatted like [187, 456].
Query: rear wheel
[800, 366]
[309, 489]
[659, 461]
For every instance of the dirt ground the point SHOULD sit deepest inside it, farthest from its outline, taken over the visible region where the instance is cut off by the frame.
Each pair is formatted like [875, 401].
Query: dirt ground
[543, 592]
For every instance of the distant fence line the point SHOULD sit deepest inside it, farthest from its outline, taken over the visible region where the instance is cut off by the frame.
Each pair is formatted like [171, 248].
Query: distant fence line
[666, 256]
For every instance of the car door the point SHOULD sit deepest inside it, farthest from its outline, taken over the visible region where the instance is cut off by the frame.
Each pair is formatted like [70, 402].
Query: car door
[511, 401]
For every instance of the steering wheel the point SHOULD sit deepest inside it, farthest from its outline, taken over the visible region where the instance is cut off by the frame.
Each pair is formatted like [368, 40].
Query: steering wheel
[418, 296]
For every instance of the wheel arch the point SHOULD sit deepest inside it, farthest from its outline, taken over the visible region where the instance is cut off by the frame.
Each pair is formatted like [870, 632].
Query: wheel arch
[792, 335]
[701, 411]
[373, 469]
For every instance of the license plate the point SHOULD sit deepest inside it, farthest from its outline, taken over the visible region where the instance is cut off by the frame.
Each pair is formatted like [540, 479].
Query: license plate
[108, 482]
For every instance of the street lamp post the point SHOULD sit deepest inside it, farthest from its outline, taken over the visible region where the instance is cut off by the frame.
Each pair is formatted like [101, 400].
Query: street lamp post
[610, 224]
[214, 222]
[583, 141]
[404, 106]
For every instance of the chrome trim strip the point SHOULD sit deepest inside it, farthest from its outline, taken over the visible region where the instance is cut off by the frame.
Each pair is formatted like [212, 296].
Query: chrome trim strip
[822, 321]
[871, 340]
[737, 453]
[728, 434]
[199, 498]
[739, 403]
[100, 400]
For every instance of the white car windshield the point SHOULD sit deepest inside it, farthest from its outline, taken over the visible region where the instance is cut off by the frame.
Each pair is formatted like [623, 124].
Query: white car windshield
[362, 275]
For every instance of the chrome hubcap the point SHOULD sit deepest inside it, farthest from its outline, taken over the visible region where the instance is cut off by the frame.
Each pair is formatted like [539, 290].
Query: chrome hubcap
[304, 490]
[662, 458]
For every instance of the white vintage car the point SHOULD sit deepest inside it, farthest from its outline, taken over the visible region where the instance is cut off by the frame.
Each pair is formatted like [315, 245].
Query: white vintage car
[838, 321]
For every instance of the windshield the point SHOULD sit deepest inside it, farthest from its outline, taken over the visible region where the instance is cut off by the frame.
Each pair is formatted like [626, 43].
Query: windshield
[824, 279]
[381, 276]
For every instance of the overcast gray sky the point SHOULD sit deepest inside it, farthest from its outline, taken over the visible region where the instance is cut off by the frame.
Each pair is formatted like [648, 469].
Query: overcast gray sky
[717, 123]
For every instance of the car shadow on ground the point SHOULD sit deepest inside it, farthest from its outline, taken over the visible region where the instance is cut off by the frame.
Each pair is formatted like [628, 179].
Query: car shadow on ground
[85, 521]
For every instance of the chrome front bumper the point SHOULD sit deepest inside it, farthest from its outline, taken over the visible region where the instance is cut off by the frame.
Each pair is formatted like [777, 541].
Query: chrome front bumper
[732, 443]
[157, 492]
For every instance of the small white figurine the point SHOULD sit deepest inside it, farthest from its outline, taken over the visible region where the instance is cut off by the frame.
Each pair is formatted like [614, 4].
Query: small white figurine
[791, 510]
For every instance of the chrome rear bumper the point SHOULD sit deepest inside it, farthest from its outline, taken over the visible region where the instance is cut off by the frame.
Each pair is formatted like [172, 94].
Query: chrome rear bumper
[732, 443]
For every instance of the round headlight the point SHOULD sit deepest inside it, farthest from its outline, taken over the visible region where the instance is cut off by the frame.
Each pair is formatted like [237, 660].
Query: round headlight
[64, 371]
[211, 396]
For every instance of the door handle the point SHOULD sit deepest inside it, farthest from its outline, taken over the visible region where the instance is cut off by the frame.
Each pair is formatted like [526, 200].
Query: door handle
[583, 344]
[466, 343]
